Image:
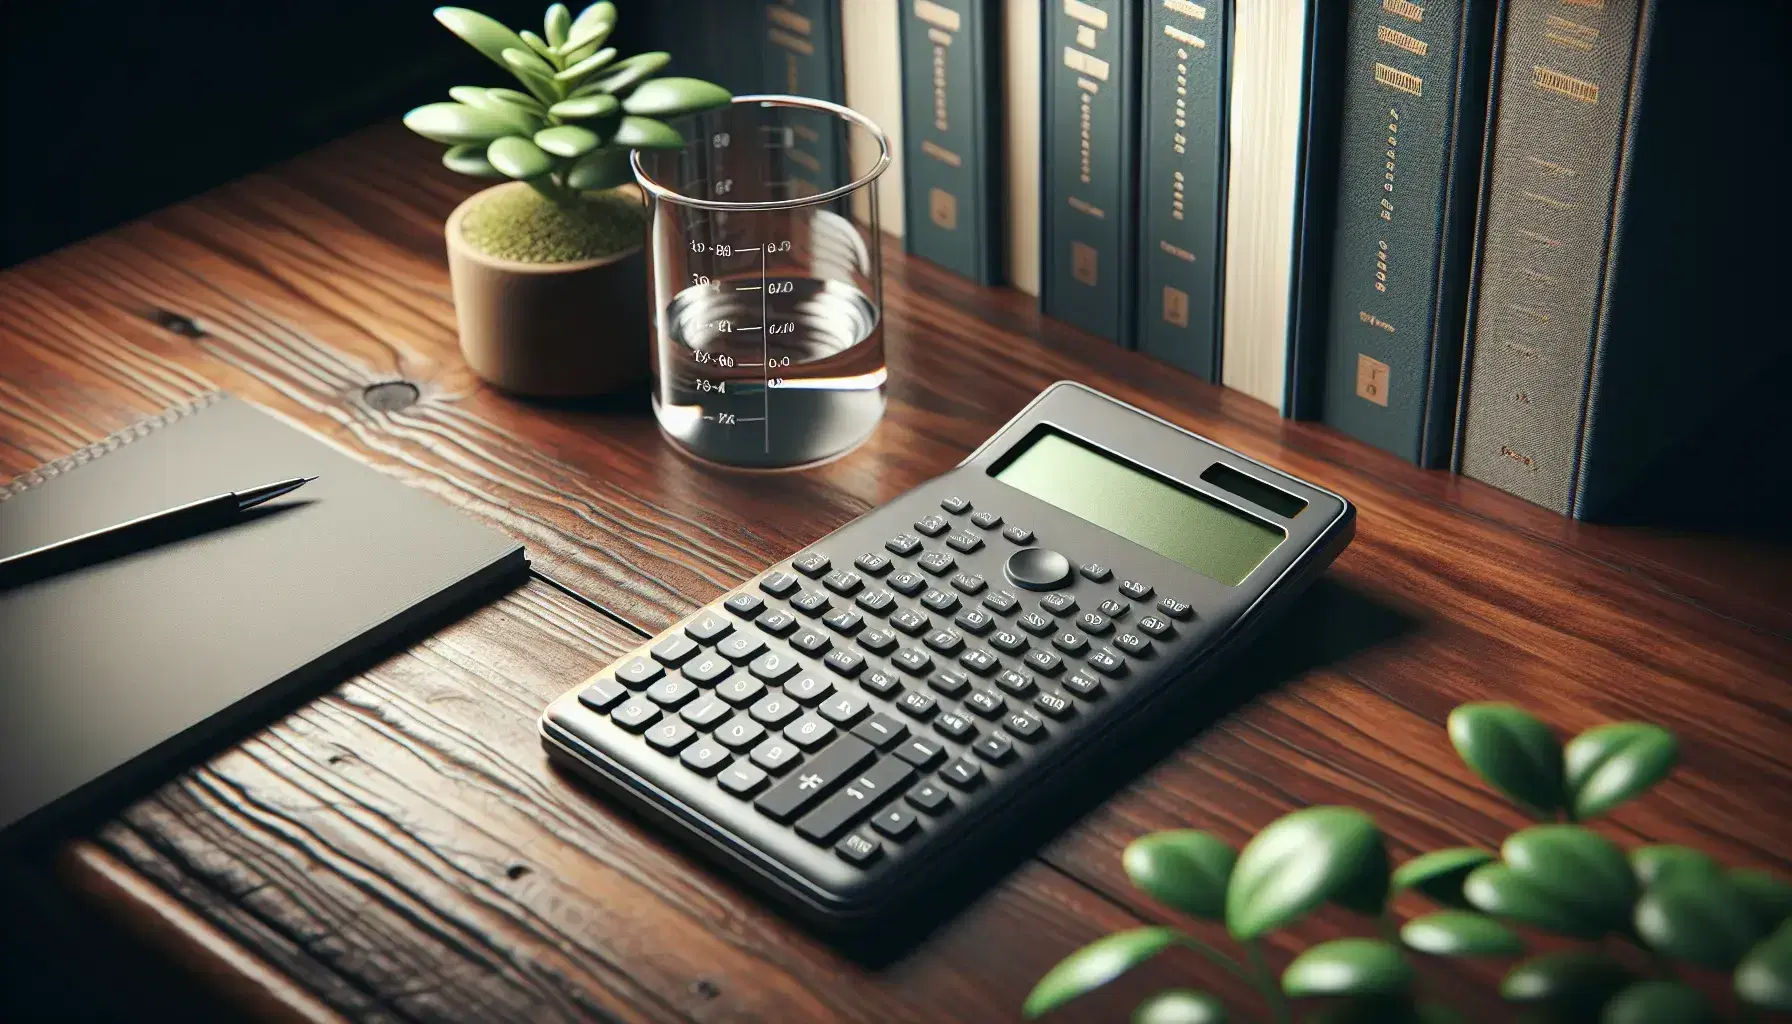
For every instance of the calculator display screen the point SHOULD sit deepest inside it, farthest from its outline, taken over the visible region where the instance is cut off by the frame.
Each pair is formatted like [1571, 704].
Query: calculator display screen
[1210, 537]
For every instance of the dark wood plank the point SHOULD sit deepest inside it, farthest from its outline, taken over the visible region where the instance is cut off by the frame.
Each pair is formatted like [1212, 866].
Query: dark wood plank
[365, 847]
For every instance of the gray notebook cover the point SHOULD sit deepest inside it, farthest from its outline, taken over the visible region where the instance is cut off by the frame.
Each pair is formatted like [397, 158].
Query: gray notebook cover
[111, 672]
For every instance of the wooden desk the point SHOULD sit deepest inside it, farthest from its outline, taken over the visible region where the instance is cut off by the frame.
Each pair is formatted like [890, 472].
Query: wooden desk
[401, 850]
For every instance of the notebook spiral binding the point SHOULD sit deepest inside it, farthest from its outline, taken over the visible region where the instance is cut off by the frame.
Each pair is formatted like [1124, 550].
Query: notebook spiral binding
[112, 442]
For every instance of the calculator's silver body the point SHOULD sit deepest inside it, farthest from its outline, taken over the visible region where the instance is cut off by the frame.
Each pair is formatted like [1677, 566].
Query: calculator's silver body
[812, 878]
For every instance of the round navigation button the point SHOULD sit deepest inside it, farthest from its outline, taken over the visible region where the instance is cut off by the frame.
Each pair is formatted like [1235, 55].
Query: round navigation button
[1038, 569]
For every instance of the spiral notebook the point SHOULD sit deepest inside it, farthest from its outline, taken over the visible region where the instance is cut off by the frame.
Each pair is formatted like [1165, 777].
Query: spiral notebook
[118, 674]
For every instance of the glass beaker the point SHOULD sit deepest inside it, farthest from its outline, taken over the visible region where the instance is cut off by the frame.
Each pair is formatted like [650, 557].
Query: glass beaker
[767, 294]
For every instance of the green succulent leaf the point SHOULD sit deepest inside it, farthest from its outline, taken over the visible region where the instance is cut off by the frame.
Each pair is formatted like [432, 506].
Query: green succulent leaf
[1498, 890]
[580, 108]
[1575, 976]
[472, 96]
[484, 34]
[1655, 864]
[470, 159]
[1581, 870]
[567, 140]
[1348, 967]
[1698, 918]
[1609, 764]
[1657, 1002]
[1366, 889]
[519, 99]
[627, 72]
[1184, 869]
[1296, 863]
[589, 38]
[672, 97]
[587, 66]
[601, 169]
[519, 158]
[534, 73]
[592, 25]
[555, 24]
[646, 133]
[1768, 895]
[1097, 964]
[524, 60]
[1180, 1006]
[1764, 978]
[1513, 751]
[1440, 873]
[458, 123]
[539, 45]
[1460, 933]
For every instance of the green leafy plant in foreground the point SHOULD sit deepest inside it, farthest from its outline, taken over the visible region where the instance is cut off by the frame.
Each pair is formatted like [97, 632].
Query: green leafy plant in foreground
[1665, 908]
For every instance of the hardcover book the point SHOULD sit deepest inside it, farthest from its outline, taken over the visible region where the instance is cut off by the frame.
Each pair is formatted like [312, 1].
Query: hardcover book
[801, 50]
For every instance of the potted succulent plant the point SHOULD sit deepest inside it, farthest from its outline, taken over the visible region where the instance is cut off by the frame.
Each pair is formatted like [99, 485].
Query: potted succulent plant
[549, 280]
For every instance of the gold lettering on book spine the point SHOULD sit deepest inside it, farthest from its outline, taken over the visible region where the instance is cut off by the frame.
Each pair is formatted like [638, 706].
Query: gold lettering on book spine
[1416, 47]
[1555, 81]
[1394, 78]
[1571, 34]
[1404, 8]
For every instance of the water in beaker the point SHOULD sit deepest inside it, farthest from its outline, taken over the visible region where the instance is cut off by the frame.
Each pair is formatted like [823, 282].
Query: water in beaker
[766, 283]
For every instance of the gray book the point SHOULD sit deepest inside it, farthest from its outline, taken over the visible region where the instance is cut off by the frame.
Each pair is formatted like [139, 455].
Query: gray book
[128, 667]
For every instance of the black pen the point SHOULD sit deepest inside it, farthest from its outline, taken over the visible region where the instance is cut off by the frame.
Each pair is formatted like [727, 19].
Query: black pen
[194, 516]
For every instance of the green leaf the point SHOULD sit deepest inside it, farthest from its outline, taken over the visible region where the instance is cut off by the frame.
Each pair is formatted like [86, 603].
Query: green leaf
[1575, 976]
[1652, 864]
[1609, 764]
[592, 25]
[539, 45]
[1657, 1002]
[1185, 869]
[1698, 918]
[567, 140]
[1770, 897]
[519, 99]
[457, 123]
[588, 65]
[671, 97]
[1296, 863]
[1366, 889]
[484, 34]
[646, 133]
[1180, 1006]
[1348, 967]
[534, 73]
[1440, 873]
[519, 158]
[470, 159]
[628, 72]
[521, 121]
[601, 169]
[1513, 751]
[1580, 869]
[1764, 978]
[1500, 891]
[523, 60]
[1097, 964]
[472, 96]
[581, 107]
[555, 24]
[1460, 933]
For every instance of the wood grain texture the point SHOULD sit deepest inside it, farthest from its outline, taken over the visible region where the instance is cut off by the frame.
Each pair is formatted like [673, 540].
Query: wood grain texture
[400, 850]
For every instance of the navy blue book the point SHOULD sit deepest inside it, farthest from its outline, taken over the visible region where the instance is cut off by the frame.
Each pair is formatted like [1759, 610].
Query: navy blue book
[801, 54]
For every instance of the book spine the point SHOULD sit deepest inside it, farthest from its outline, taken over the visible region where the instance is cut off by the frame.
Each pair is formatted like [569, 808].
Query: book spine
[1415, 92]
[1182, 183]
[1089, 65]
[802, 57]
[950, 134]
[1562, 113]
[1021, 127]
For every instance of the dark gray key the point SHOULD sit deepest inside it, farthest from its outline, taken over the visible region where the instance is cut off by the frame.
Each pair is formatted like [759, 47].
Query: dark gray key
[809, 687]
[975, 621]
[1136, 590]
[1115, 609]
[811, 641]
[741, 647]
[708, 669]
[706, 711]
[930, 797]
[672, 692]
[944, 641]
[910, 621]
[777, 623]
[812, 564]
[1095, 572]
[780, 583]
[1016, 682]
[1152, 625]
[979, 661]
[955, 504]
[638, 672]
[636, 713]
[844, 621]
[878, 641]
[858, 849]
[842, 582]
[959, 540]
[954, 726]
[1008, 642]
[994, 748]
[943, 601]
[705, 758]
[742, 779]
[739, 734]
[844, 708]
[903, 544]
[1018, 535]
[1057, 604]
[845, 662]
[1022, 725]
[844, 756]
[857, 796]
[774, 666]
[1082, 683]
[1094, 623]
[1044, 661]
[1002, 602]
[740, 692]
[949, 683]
[881, 683]
[1054, 704]
[908, 584]
[968, 583]
[603, 694]
[776, 755]
[1037, 623]
[933, 524]
[987, 520]
[809, 731]
[916, 703]
[987, 703]
[896, 822]
[774, 709]
[675, 650]
[811, 602]
[1175, 609]
[913, 661]
[669, 735]
[877, 601]
[1070, 641]
[1108, 662]
[939, 563]
[872, 564]
[880, 730]
[745, 604]
[963, 773]
[1133, 644]
[921, 752]
[708, 627]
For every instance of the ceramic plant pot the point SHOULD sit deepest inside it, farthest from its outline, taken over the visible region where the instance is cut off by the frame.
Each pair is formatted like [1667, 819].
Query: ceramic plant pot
[549, 329]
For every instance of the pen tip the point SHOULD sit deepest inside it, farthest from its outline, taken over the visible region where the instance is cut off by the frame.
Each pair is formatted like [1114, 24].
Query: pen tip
[308, 479]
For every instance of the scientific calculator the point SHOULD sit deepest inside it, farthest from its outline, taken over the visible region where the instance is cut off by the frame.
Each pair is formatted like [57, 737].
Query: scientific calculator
[842, 726]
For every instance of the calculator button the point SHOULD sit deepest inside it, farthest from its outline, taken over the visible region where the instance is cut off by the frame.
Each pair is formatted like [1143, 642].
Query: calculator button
[1001, 602]
[916, 703]
[955, 726]
[994, 748]
[872, 564]
[776, 755]
[987, 703]
[968, 583]
[844, 708]
[602, 695]
[1108, 662]
[638, 673]
[911, 622]
[877, 602]
[669, 736]
[1083, 684]
[930, 797]
[859, 850]
[1037, 569]
[705, 758]
[878, 641]
[1018, 534]
[811, 641]
[782, 802]
[774, 667]
[908, 584]
[675, 650]
[904, 544]
[975, 621]
[740, 734]
[779, 584]
[811, 602]
[949, 682]
[896, 823]
[979, 661]
[958, 540]
[707, 670]
[708, 628]
[963, 773]
[1008, 643]
[880, 730]
[1095, 572]
[810, 688]
[705, 711]
[740, 692]
[1115, 609]
[942, 601]
[842, 582]
[933, 525]
[1133, 644]
[1037, 624]
[745, 605]
[635, 714]
[809, 731]
[938, 563]
[1054, 704]
[741, 647]
[880, 682]
[671, 692]
[956, 505]
[845, 662]
[1023, 726]
[774, 709]
[987, 520]
[912, 661]
[1045, 661]
[1018, 683]
[812, 564]
[844, 621]
[945, 641]
[1070, 641]
[1136, 590]
[776, 623]
[1058, 604]
[1157, 627]
[1175, 609]
[1095, 622]
[742, 780]
[921, 752]
[860, 793]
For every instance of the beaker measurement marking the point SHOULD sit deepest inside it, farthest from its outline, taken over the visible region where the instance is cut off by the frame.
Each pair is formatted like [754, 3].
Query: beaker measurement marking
[754, 328]
[718, 358]
[748, 288]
